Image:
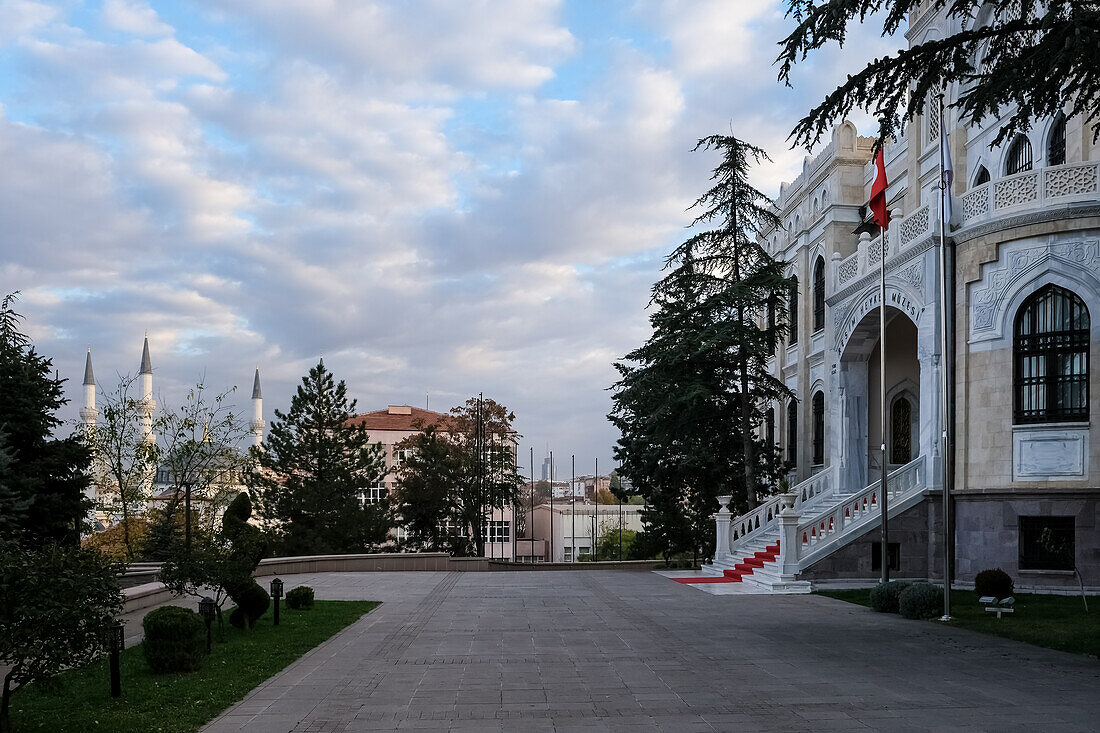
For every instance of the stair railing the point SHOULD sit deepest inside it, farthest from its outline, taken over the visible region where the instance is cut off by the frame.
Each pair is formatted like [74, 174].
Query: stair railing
[807, 494]
[828, 525]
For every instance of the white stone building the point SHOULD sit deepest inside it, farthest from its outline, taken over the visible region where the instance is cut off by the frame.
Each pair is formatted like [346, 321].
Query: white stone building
[1024, 284]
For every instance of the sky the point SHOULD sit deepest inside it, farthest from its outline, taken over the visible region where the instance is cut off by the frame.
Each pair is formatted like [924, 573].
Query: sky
[441, 197]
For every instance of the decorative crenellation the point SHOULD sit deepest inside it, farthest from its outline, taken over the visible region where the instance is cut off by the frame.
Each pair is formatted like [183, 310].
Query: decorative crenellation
[988, 300]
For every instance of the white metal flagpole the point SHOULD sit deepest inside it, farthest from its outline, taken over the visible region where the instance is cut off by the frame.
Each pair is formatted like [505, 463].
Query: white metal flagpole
[946, 176]
[882, 410]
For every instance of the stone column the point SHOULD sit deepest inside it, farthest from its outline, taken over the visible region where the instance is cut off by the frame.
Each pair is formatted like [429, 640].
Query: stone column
[789, 542]
[722, 522]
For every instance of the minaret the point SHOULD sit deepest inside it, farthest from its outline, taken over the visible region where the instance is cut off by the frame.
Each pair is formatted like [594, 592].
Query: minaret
[89, 413]
[257, 424]
[148, 404]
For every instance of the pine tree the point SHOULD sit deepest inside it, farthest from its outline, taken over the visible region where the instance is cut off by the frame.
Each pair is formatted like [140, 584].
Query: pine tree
[690, 400]
[314, 470]
[1033, 59]
[42, 478]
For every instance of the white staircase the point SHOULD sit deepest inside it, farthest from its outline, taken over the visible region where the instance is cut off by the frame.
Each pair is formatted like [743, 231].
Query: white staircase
[769, 546]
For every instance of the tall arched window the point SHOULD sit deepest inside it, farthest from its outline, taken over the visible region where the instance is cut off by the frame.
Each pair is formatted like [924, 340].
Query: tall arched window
[819, 428]
[1050, 348]
[1056, 144]
[901, 431]
[792, 433]
[982, 177]
[792, 313]
[819, 294]
[1019, 156]
[769, 428]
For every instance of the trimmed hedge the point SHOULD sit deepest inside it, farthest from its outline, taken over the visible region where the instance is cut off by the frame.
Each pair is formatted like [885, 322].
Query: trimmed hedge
[175, 639]
[300, 598]
[884, 596]
[921, 601]
[994, 582]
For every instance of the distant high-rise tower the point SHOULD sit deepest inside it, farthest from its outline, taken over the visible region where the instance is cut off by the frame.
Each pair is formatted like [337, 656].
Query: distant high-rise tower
[546, 469]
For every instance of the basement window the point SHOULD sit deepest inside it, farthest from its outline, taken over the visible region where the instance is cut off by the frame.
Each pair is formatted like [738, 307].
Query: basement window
[1047, 543]
[894, 549]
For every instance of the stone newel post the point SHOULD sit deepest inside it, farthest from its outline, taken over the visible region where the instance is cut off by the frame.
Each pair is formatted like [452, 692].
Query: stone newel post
[789, 541]
[722, 520]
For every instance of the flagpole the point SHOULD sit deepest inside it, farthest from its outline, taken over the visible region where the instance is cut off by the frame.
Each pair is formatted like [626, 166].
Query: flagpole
[573, 511]
[882, 409]
[551, 559]
[595, 509]
[944, 402]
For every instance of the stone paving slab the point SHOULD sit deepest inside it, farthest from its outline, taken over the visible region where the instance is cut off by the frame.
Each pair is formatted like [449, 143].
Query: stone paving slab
[628, 651]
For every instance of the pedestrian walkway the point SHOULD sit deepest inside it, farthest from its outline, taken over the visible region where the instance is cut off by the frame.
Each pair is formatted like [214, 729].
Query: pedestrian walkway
[633, 651]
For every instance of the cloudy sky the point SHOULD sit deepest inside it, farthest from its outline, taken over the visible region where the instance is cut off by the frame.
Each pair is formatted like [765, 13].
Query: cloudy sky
[441, 196]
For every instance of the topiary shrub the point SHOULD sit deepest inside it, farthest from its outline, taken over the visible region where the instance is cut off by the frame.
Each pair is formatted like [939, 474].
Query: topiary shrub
[247, 550]
[300, 598]
[994, 582]
[175, 639]
[921, 600]
[884, 596]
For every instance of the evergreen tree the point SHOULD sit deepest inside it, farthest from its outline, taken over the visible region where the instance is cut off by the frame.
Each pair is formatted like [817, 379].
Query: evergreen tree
[1033, 59]
[42, 478]
[315, 469]
[689, 401]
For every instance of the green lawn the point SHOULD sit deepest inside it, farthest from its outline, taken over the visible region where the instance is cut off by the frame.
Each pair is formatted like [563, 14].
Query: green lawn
[180, 702]
[1055, 622]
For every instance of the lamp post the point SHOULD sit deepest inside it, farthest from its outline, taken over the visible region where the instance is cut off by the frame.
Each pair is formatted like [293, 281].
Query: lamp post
[277, 593]
[207, 609]
[117, 640]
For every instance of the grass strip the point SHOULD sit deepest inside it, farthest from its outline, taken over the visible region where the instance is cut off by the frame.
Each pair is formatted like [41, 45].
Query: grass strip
[1054, 622]
[80, 700]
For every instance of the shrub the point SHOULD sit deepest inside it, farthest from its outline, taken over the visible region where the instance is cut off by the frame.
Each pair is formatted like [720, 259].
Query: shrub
[175, 639]
[247, 549]
[252, 602]
[921, 600]
[995, 582]
[884, 596]
[301, 598]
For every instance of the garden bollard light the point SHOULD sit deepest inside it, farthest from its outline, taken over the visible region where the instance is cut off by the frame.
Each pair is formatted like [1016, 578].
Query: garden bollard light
[207, 609]
[277, 593]
[117, 641]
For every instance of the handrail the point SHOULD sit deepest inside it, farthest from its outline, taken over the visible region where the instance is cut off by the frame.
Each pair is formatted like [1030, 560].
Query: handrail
[808, 493]
[831, 522]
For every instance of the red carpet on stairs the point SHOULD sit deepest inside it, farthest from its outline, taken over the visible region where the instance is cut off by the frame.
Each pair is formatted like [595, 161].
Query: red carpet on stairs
[746, 567]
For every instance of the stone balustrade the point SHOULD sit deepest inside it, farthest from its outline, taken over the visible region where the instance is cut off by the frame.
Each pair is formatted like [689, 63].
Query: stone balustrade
[907, 232]
[1031, 190]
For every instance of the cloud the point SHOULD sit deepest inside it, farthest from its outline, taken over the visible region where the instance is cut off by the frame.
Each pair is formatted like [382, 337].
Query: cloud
[134, 16]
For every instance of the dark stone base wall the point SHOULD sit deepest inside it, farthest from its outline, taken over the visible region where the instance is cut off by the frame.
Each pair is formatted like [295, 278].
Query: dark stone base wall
[987, 535]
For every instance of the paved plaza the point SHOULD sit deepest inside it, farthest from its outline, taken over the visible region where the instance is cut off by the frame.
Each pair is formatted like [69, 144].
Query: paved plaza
[634, 651]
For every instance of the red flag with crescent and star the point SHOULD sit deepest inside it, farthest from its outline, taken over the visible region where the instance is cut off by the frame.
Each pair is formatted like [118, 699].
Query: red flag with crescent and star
[878, 193]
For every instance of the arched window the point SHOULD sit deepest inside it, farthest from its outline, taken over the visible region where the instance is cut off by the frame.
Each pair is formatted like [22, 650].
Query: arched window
[792, 313]
[819, 294]
[901, 434]
[1019, 156]
[1056, 144]
[819, 428]
[771, 324]
[792, 433]
[982, 177]
[769, 428]
[1050, 349]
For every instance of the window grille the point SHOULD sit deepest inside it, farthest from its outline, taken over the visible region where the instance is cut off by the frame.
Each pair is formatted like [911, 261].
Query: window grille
[1019, 156]
[1051, 358]
[769, 427]
[792, 313]
[792, 433]
[1047, 543]
[1056, 146]
[933, 108]
[819, 428]
[901, 439]
[819, 295]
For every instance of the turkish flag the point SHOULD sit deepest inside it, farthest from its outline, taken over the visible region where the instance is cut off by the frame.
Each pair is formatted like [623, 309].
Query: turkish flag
[878, 193]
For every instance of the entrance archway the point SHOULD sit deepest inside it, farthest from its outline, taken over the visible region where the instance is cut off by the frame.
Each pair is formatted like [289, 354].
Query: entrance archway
[860, 434]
